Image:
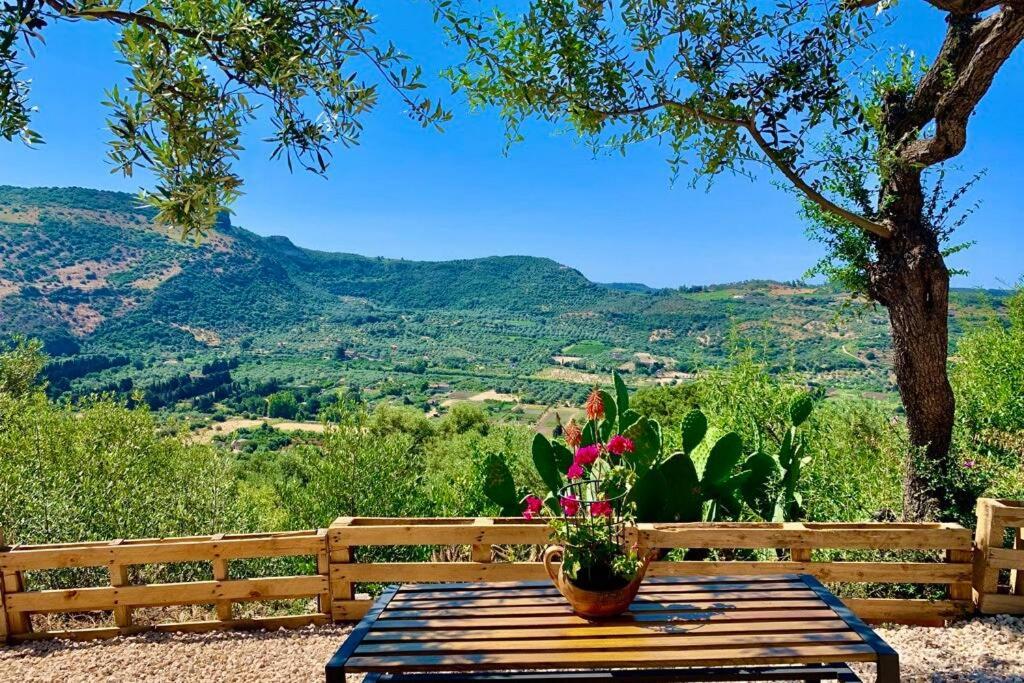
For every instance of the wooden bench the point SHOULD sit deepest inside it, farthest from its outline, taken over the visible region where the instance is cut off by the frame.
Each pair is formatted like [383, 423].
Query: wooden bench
[695, 628]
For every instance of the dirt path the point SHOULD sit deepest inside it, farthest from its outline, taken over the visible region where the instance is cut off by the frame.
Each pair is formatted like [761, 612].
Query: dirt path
[977, 650]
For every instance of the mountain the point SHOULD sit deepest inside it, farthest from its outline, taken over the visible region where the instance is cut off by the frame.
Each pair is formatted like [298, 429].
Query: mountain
[88, 272]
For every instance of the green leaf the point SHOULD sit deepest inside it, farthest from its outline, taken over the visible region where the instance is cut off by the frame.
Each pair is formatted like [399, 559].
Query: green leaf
[627, 420]
[499, 485]
[608, 423]
[800, 409]
[544, 461]
[723, 458]
[646, 444]
[759, 490]
[562, 456]
[694, 427]
[621, 396]
[682, 492]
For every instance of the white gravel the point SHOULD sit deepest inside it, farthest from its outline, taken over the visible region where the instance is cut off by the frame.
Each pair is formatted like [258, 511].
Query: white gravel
[989, 649]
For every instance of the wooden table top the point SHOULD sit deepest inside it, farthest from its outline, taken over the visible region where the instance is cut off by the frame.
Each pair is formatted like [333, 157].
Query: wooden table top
[674, 622]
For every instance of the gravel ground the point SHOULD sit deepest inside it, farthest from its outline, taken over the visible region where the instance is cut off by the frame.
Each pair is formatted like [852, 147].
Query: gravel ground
[977, 650]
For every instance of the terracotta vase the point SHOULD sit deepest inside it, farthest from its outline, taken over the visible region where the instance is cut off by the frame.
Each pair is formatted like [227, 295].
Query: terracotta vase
[593, 604]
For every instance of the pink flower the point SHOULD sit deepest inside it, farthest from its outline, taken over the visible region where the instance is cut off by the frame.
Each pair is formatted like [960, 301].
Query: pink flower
[969, 464]
[601, 508]
[533, 506]
[620, 444]
[587, 455]
[575, 471]
[570, 505]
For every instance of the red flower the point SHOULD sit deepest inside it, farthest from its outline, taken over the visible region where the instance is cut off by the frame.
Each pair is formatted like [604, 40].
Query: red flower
[620, 444]
[533, 506]
[587, 455]
[575, 471]
[594, 405]
[570, 505]
[573, 434]
[601, 508]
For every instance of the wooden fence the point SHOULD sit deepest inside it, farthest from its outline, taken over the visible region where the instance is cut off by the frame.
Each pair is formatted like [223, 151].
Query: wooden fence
[121, 596]
[949, 560]
[999, 557]
[951, 542]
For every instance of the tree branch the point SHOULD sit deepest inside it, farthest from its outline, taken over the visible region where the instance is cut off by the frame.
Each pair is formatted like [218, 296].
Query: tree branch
[967, 64]
[122, 17]
[776, 159]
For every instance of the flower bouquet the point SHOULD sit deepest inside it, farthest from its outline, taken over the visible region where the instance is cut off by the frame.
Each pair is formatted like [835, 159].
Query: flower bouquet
[595, 563]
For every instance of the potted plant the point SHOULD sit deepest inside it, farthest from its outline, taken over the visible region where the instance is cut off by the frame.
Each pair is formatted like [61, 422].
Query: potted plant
[595, 563]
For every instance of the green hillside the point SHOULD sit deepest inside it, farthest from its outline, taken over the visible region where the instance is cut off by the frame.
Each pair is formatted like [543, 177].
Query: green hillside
[87, 272]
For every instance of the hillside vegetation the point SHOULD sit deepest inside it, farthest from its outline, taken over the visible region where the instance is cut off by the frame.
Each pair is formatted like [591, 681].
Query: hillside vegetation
[224, 326]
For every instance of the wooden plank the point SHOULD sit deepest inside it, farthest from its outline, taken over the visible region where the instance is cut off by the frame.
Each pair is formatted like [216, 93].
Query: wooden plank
[647, 619]
[804, 654]
[1005, 558]
[1009, 512]
[654, 608]
[169, 550]
[626, 644]
[424, 572]
[350, 610]
[996, 603]
[864, 536]
[876, 572]
[221, 573]
[270, 623]
[907, 611]
[661, 583]
[597, 630]
[165, 594]
[440, 534]
[547, 596]
[837, 572]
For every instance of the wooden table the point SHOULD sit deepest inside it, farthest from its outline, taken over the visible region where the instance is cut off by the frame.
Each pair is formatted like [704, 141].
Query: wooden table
[674, 625]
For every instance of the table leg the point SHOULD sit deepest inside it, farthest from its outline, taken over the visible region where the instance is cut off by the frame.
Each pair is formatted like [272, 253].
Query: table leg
[888, 668]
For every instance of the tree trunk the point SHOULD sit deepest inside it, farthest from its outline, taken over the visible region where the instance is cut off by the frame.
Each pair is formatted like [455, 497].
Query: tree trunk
[911, 280]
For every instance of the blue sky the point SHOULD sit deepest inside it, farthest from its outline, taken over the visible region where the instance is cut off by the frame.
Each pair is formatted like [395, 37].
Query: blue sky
[413, 193]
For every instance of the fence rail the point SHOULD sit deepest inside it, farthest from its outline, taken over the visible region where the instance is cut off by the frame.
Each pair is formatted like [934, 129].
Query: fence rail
[332, 590]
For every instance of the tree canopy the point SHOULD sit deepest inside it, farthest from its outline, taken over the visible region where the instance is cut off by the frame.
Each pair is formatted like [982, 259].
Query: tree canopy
[200, 70]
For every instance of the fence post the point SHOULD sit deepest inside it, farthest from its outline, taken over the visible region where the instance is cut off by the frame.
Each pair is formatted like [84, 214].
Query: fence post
[797, 554]
[323, 568]
[342, 590]
[17, 622]
[482, 552]
[1017, 574]
[987, 535]
[5, 628]
[960, 591]
[119, 577]
[221, 572]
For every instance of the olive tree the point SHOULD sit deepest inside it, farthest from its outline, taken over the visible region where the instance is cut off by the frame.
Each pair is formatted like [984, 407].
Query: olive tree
[200, 70]
[798, 87]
